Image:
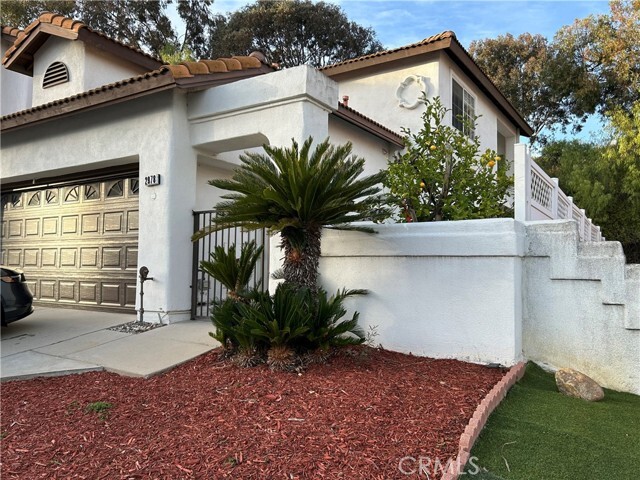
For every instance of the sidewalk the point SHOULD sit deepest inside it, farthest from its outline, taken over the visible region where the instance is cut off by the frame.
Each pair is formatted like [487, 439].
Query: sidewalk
[56, 341]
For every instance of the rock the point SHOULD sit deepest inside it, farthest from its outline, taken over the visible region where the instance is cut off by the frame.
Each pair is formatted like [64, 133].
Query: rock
[575, 384]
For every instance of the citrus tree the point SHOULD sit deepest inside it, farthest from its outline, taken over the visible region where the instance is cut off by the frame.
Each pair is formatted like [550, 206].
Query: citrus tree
[442, 175]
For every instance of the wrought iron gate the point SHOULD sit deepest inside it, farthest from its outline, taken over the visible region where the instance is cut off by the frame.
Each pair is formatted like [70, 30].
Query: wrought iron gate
[205, 289]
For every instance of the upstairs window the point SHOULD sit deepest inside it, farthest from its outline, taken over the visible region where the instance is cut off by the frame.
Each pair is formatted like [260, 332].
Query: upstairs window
[464, 110]
[56, 74]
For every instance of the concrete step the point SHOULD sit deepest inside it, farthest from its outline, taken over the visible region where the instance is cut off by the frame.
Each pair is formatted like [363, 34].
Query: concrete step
[632, 307]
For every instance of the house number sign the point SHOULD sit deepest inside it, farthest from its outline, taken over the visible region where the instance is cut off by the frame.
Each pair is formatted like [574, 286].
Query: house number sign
[152, 180]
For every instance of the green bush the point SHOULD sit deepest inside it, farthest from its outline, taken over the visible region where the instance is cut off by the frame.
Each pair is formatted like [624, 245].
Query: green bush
[282, 327]
[442, 175]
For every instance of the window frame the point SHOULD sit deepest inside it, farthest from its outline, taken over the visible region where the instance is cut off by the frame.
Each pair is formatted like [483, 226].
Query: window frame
[467, 128]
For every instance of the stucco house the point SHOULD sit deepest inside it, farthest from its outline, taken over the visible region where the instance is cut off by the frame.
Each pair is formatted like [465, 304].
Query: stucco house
[106, 152]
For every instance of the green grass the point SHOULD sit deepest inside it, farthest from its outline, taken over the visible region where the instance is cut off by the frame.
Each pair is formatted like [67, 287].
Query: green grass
[543, 435]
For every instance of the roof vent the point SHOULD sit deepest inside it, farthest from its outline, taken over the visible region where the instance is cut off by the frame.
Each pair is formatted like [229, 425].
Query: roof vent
[56, 74]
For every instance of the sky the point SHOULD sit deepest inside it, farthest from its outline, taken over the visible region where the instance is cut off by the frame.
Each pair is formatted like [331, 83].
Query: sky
[400, 23]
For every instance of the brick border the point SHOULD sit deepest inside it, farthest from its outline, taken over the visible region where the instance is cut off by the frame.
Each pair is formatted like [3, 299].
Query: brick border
[479, 419]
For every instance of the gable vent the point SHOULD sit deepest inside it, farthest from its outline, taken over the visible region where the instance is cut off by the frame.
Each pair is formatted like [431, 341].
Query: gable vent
[56, 74]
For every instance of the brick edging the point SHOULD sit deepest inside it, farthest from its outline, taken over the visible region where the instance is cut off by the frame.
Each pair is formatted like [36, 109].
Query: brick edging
[479, 419]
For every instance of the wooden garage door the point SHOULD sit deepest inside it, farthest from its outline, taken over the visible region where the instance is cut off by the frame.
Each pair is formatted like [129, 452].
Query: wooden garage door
[77, 244]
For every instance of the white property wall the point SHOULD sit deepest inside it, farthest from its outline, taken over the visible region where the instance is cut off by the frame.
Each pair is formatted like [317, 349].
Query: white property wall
[495, 290]
[582, 305]
[446, 290]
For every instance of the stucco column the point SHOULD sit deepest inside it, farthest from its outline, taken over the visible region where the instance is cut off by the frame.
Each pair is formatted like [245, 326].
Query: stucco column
[166, 220]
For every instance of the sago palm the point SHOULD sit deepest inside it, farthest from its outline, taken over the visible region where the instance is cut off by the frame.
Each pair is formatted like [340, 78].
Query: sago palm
[296, 192]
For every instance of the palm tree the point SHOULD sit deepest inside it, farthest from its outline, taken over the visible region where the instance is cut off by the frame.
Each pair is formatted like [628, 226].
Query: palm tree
[297, 192]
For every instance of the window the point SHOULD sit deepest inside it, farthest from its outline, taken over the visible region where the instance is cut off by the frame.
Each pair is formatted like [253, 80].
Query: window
[56, 74]
[464, 110]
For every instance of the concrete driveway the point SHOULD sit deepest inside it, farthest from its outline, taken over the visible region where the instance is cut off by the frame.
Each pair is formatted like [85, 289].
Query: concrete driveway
[57, 341]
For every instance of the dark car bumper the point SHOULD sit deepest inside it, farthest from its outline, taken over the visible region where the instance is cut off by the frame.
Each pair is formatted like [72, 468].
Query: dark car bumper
[17, 302]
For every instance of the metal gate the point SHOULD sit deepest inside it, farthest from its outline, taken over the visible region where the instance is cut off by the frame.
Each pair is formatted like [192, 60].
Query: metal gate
[205, 289]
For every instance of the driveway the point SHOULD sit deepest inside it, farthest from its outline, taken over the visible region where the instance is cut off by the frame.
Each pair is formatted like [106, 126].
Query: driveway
[57, 341]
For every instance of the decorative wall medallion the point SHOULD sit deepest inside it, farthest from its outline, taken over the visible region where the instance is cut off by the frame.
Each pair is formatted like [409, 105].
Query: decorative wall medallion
[408, 97]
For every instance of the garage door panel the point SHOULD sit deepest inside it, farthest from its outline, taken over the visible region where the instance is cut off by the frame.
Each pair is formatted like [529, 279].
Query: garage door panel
[67, 291]
[90, 223]
[31, 258]
[49, 256]
[132, 258]
[70, 225]
[77, 244]
[132, 221]
[130, 295]
[32, 227]
[15, 228]
[47, 290]
[68, 257]
[50, 226]
[14, 258]
[111, 293]
[89, 292]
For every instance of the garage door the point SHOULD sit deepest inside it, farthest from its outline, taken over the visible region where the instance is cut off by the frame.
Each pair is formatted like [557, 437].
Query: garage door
[77, 244]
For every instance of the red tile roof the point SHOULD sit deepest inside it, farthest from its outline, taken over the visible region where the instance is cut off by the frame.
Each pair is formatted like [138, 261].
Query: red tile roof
[188, 74]
[10, 31]
[356, 118]
[65, 24]
[426, 41]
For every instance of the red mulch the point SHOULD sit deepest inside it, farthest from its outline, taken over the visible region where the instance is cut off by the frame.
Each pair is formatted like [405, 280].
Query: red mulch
[354, 418]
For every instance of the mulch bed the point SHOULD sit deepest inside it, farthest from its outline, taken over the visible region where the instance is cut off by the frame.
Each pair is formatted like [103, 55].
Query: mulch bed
[353, 418]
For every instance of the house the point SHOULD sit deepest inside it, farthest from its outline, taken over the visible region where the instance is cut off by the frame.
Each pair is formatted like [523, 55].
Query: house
[106, 152]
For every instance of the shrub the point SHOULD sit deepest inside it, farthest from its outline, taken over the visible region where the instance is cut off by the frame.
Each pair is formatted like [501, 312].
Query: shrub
[441, 174]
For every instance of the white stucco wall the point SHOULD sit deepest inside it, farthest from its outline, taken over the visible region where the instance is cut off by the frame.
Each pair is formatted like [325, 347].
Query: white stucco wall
[489, 115]
[375, 151]
[154, 130]
[88, 68]
[206, 195]
[581, 306]
[374, 95]
[446, 289]
[16, 88]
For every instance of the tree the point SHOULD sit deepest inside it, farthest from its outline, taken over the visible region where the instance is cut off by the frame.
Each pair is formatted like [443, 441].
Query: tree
[543, 84]
[441, 174]
[296, 192]
[607, 48]
[590, 67]
[294, 32]
[604, 179]
[143, 24]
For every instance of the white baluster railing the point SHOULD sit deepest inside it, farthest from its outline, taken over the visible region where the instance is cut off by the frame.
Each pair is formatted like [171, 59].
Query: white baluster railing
[539, 197]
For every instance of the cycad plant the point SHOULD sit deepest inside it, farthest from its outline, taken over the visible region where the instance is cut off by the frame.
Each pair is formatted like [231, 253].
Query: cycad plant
[296, 192]
[234, 273]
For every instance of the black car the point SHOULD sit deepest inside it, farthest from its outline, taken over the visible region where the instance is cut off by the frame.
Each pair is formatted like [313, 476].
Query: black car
[16, 297]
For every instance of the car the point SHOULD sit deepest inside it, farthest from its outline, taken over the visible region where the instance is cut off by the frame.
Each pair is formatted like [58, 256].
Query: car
[17, 299]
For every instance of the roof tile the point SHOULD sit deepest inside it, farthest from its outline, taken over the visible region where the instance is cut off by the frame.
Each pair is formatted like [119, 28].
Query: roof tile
[426, 41]
[66, 23]
[215, 66]
[11, 31]
[196, 68]
[232, 63]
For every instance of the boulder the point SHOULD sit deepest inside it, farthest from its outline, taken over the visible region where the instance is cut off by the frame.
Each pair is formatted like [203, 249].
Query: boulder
[575, 384]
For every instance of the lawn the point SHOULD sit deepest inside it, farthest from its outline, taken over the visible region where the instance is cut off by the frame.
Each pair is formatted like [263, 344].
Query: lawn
[538, 433]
